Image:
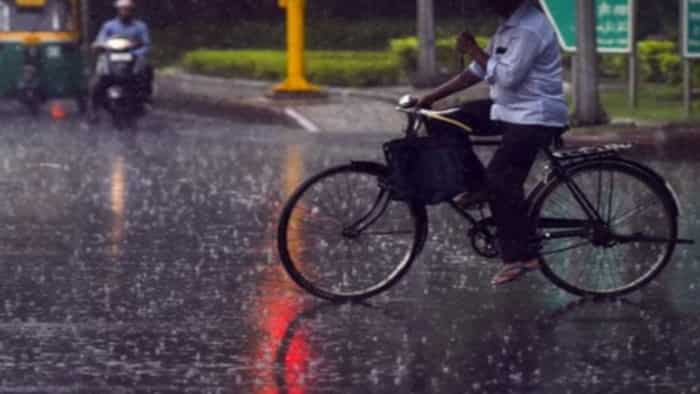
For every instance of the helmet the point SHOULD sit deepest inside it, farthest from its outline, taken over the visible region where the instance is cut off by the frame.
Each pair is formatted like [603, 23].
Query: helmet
[124, 3]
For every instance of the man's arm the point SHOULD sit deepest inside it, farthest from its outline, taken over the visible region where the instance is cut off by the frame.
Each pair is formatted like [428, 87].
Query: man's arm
[102, 36]
[468, 78]
[145, 37]
[464, 80]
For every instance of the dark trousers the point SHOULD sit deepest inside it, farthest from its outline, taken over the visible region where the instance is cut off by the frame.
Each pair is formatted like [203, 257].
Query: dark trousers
[504, 178]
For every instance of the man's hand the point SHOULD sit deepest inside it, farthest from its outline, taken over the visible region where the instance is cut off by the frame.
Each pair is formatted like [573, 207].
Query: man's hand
[466, 44]
[425, 102]
[97, 48]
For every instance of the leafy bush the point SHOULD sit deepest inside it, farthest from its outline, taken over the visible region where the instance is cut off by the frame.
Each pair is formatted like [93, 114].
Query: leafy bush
[406, 50]
[659, 61]
[650, 54]
[613, 65]
[670, 66]
[343, 68]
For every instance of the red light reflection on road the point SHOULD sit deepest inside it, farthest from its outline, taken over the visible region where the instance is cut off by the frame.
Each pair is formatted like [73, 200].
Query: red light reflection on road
[278, 307]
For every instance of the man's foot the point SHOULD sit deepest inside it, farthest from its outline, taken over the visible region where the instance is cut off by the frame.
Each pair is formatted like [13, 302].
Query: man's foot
[469, 201]
[512, 272]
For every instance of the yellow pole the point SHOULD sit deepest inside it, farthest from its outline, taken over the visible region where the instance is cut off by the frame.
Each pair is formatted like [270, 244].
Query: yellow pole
[296, 81]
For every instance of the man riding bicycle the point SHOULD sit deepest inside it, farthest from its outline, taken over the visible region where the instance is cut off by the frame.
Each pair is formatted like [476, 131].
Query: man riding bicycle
[522, 65]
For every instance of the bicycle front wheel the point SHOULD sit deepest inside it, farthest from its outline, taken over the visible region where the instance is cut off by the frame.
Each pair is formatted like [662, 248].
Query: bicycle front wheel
[620, 252]
[341, 237]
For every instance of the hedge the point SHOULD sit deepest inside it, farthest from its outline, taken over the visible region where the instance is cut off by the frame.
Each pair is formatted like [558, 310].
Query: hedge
[659, 61]
[342, 68]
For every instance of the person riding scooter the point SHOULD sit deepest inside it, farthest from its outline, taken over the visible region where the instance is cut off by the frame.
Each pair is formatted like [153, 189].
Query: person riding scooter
[126, 26]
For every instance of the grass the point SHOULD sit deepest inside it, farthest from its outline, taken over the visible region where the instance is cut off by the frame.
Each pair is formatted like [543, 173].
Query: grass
[342, 68]
[657, 103]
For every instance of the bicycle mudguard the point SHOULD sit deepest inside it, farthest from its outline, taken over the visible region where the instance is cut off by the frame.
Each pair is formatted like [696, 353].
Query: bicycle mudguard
[591, 152]
[371, 165]
[662, 181]
[419, 210]
[534, 195]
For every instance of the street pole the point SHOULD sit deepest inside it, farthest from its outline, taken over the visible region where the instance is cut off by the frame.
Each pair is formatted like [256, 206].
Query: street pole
[296, 81]
[574, 80]
[687, 76]
[427, 64]
[633, 60]
[687, 88]
[588, 108]
[85, 32]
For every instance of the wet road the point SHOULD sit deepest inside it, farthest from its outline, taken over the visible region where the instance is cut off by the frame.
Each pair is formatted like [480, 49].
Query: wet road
[146, 263]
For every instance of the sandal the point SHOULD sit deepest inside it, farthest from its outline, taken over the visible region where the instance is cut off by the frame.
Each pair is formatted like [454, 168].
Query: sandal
[512, 272]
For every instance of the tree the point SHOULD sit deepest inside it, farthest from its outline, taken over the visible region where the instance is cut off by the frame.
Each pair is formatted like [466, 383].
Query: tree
[427, 64]
[588, 108]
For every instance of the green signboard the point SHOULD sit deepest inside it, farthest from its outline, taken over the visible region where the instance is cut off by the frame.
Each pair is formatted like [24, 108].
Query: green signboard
[691, 28]
[614, 24]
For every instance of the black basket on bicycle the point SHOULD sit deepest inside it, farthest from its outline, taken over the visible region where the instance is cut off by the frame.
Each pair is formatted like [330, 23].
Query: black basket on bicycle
[426, 170]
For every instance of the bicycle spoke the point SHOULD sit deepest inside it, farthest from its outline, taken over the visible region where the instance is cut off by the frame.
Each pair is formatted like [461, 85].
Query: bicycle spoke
[307, 212]
[582, 269]
[341, 199]
[568, 248]
[614, 271]
[610, 196]
[564, 209]
[321, 222]
[322, 204]
[600, 190]
[639, 209]
[387, 233]
[348, 189]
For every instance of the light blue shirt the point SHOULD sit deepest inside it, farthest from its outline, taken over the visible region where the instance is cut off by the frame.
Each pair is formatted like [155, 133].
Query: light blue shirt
[525, 71]
[136, 31]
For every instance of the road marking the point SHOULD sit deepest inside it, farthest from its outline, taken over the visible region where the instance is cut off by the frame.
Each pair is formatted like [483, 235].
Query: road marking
[302, 121]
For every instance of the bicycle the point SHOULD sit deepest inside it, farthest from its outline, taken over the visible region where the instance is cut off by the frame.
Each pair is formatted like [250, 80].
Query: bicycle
[592, 241]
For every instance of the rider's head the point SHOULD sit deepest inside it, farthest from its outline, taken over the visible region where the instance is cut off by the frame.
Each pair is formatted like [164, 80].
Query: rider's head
[504, 8]
[125, 9]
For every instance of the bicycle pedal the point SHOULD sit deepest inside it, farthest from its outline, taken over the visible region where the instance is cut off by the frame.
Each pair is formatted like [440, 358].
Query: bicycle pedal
[473, 206]
[471, 201]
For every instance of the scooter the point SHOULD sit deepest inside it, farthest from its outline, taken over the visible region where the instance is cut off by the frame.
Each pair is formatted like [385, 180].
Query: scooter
[124, 99]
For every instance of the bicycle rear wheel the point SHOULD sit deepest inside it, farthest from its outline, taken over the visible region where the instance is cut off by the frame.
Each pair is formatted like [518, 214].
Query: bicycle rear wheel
[341, 237]
[622, 252]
